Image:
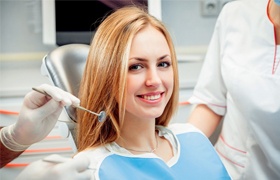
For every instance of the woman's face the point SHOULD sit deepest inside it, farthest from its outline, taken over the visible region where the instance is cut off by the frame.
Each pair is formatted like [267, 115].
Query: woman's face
[150, 75]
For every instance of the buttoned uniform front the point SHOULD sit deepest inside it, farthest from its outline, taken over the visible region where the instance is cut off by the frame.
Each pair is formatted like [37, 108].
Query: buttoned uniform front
[240, 80]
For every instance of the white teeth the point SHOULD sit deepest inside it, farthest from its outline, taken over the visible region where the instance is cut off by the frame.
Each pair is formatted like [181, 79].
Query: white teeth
[152, 97]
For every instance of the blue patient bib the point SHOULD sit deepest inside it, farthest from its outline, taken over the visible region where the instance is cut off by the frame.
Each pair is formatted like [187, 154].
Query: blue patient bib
[197, 160]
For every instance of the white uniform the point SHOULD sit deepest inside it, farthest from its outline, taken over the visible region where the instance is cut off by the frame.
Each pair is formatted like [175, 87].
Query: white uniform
[194, 158]
[240, 80]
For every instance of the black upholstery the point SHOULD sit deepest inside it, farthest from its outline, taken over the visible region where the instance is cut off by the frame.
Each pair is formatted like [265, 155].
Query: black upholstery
[64, 67]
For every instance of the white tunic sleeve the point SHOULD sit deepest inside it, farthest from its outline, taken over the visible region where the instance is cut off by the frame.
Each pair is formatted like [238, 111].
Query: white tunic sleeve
[210, 88]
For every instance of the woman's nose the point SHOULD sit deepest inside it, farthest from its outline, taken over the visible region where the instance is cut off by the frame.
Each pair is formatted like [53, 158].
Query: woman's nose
[153, 78]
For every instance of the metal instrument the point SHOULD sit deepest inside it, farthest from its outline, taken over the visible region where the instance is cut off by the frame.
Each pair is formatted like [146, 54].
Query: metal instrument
[101, 115]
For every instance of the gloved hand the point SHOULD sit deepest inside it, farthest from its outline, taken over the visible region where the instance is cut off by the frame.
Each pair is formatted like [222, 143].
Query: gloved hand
[69, 169]
[37, 117]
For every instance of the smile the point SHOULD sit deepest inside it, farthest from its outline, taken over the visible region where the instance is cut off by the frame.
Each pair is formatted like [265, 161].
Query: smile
[154, 97]
[150, 97]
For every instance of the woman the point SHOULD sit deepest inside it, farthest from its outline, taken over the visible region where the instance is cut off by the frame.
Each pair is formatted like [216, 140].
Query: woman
[132, 74]
[240, 82]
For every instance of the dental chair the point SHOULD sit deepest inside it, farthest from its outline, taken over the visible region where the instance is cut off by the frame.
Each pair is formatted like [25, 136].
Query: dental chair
[64, 67]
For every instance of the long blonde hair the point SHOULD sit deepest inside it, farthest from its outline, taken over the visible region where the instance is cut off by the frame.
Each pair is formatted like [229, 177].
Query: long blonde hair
[103, 85]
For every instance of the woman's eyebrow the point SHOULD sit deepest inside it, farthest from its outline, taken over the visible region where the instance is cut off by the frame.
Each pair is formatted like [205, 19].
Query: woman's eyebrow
[144, 59]
[164, 56]
[138, 59]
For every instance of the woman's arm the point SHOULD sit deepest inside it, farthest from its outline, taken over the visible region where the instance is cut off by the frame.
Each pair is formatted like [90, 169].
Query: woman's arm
[204, 119]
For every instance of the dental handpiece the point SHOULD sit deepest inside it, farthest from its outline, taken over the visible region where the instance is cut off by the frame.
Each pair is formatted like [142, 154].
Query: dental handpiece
[101, 115]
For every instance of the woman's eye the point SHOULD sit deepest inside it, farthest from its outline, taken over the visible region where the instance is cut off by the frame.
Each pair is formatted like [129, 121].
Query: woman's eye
[164, 64]
[135, 67]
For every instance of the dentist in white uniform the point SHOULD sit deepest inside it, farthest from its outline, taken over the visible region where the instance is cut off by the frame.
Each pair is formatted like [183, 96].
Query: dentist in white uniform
[240, 83]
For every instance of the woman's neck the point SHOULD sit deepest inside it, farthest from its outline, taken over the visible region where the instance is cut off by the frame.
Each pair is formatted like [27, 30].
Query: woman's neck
[139, 142]
[136, 133]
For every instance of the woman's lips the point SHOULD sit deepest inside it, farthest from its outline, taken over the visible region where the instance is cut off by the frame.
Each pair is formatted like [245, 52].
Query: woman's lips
[155, 97]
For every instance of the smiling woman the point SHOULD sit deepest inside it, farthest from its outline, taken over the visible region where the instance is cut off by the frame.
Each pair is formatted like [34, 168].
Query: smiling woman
[150, 77]
[131, 72]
